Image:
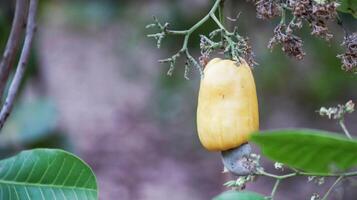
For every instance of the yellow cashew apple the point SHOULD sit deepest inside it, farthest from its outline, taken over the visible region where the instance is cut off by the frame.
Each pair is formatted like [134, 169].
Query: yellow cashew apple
[227, 110]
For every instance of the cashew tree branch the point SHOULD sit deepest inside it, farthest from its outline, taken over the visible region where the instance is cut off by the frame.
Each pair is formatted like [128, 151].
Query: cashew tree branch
[186, 33]
[13, 42]
[22, 63]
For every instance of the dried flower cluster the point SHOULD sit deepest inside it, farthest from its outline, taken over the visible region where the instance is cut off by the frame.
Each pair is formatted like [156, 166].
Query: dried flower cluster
[315, 13]
[337, 112]
[279, 166]
[349, 58]
[207, 46]
[232, 45]
[248, 52]
[291, 44]
[267, 9]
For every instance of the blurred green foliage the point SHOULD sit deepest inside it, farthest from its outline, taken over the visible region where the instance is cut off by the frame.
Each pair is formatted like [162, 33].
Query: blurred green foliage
[349, 6]
[33, 121]
[29, 122]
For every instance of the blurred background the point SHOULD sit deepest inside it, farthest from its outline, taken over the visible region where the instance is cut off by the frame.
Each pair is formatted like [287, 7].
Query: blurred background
[94, 87]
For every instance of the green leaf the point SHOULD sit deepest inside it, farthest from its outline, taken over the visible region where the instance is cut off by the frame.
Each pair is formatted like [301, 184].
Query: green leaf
[236, 195]
[308, 150]
[348, 6]
[46, 174]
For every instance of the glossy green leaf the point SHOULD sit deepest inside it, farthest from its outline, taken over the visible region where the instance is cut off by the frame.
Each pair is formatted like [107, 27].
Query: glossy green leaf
[348, 6]
[46, 174]
[237, 195]
[308, 150]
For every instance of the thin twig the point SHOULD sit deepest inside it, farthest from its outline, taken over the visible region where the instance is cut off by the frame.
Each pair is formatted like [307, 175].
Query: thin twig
[345, 130]
[197, 25]
[332, 187]
[275, 189]
[20, 71]
[221, 12]
[13, 42]
[189, 31]
[294, 174]
[279, 178]
[186, 33]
